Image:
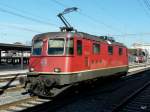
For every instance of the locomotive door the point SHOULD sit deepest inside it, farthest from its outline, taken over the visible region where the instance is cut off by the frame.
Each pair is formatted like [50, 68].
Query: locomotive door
[87, 54]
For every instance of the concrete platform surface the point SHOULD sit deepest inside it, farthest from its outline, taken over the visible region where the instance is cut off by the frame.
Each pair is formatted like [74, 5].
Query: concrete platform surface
[13, 72]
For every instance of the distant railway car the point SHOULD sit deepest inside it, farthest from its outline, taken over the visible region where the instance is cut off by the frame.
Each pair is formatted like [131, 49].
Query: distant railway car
[60, 59]
[139, 55]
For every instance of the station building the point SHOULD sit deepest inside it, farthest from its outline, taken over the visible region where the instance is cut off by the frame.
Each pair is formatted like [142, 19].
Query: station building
[14, 54]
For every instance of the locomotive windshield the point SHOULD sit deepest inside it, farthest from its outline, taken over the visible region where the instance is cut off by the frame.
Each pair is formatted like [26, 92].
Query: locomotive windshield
[37, 47]
[56, 46]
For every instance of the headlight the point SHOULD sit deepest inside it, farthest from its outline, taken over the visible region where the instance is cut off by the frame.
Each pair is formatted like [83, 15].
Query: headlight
[31, 69]
[57, 70]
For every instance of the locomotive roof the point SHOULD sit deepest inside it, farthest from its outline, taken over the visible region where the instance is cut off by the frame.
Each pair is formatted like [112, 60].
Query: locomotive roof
[80, 34]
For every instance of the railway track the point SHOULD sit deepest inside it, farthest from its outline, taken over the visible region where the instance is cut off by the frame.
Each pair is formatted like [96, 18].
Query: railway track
[5, 78]
[12, 89]
[103, 97]
[137, 101]
[10, 82]
[22, 104]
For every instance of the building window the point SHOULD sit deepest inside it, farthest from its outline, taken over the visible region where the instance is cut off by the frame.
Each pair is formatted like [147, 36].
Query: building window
[120, 51]
[96, 48]
[110, 50]
[79, 47]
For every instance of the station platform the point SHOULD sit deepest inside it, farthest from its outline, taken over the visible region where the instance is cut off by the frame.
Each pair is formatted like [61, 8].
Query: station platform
[12, 70]
[138, 69]
[5, 67]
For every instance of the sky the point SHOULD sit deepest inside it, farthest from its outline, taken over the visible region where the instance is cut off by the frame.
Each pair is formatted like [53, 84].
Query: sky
[128, 21]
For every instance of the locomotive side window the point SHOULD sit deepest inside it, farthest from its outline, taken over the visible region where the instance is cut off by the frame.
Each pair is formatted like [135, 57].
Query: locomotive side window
[96, 48]
[69, 47]
[120, 51]
[79, 47]
[37, 47]
[56, 46]
[110, 50]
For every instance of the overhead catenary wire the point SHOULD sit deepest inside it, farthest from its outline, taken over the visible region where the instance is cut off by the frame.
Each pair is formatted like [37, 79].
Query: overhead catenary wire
[59, 3]
[98, 22]
[147, 5]
[144, 8]
[63, 5]
[25, 12]
[133, 34]
[88, 16]
[108, 13]
[20, 28]
[106, 25]
[3, 34]
[26, 17]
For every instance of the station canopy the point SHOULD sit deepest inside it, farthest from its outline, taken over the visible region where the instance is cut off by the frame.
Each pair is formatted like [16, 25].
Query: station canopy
[18, 47]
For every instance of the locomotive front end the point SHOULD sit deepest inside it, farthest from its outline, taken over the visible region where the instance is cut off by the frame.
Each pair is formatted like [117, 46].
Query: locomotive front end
[48, 63]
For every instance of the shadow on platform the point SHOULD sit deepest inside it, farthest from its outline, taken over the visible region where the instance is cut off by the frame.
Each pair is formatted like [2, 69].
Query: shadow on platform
[4, 88]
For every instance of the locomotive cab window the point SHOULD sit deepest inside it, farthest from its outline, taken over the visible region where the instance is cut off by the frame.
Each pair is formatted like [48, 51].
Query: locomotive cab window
[37, 47]
[96, 48]
[110, 50]
[70, 47]
[56, 46]
[79, 47]
[120, 51]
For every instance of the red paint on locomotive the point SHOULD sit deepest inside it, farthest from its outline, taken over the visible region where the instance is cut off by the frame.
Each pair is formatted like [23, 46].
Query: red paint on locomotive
[76, 62]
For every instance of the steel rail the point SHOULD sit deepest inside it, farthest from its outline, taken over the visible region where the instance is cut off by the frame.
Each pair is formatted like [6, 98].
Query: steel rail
[130, 97]
[9, 78]
[12, 89]
[17, 103]
[13, 74]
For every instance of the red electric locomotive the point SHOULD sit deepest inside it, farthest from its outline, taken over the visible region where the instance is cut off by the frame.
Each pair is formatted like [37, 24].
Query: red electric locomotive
[64, 58]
